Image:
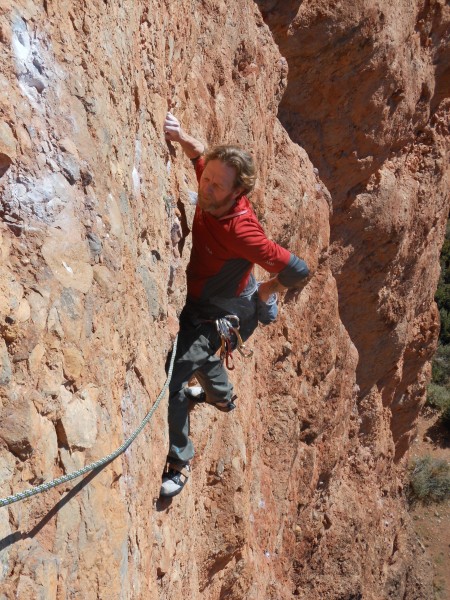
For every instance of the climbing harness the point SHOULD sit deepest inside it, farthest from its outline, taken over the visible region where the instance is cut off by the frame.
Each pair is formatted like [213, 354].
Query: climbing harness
[103, 461]
[227, 327]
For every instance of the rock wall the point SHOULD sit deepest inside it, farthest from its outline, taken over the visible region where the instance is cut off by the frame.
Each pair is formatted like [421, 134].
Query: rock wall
[368, 98]
[296, 493]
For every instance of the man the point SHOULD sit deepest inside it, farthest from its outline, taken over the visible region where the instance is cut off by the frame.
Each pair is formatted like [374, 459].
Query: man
[227, 240]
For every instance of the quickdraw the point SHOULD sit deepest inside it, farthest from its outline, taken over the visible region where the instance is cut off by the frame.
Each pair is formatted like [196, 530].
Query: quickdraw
[227, 327]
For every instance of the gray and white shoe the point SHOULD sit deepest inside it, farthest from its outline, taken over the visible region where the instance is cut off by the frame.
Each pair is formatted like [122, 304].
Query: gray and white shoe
[174, 479]
[197, 394]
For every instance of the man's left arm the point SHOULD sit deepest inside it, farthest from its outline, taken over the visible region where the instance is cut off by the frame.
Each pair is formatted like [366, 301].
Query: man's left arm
[252, 243]
[292, 276]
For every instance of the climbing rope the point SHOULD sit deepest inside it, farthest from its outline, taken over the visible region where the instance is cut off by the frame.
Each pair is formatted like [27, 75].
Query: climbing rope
[103, 461]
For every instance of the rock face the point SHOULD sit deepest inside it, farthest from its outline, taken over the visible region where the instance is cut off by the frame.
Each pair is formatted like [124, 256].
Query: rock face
[298, 492]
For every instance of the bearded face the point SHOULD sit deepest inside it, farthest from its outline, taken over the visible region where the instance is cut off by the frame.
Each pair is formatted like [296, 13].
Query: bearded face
[216, 191]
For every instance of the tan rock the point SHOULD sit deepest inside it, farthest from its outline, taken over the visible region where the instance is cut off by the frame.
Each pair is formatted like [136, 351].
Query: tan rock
[70, 272]
[19, 425]
[70, 308]
[42, 566]
[50, 380]
[69, 519]
[7, 467]
[27, 588]
[7, 141]
[67, 254]
[45, 451]
[5, 531]
[73, 363]
[23, 312]
[5, 246]
[5, 364]
[38, 305]
[67, 145]
[90, 392]
[80, 422]
[35, 359]
[104, 278]
[11, 295]
[54, 323]
[115, 217]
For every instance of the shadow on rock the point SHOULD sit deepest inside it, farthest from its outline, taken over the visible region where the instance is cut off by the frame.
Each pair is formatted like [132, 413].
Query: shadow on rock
[163, 504]
[439, 434]
[12, 538]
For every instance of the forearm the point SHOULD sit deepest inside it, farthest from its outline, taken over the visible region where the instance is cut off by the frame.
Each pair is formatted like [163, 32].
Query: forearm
[191, 147]
[273, 286]
[267, 288]
[294, 275]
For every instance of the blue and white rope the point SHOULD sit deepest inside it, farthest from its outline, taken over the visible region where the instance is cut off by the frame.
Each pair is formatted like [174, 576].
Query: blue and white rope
[103, 461]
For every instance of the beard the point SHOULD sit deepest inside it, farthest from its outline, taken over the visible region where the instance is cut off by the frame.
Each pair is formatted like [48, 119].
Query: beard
[209, 204]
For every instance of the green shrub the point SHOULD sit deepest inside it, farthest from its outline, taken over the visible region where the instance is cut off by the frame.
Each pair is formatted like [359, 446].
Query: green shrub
[438, 396]
[429, 480]
[441, 365]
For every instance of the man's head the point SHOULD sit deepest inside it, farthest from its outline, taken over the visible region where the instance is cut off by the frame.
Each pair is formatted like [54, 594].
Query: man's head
[229, 173]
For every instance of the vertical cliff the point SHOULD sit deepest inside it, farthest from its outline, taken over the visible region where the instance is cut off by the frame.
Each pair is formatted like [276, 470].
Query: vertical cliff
[368, 98]
[297, 493]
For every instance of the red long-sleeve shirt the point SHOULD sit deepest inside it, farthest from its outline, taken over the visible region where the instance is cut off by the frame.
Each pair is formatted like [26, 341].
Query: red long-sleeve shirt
[225, 249]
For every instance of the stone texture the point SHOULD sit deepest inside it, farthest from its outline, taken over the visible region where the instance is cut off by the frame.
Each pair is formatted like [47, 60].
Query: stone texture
[73, 362]
[297, 493]
[5, 364]
[79, 422]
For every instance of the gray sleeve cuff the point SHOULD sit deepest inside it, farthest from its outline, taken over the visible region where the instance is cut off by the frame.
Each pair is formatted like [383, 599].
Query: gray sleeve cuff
[295, 271]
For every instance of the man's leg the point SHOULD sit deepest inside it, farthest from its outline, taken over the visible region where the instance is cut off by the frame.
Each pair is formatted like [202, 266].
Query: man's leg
[193, 351]
[213, 378]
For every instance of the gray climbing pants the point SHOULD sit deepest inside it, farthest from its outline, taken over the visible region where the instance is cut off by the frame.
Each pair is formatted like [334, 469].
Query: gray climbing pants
[196, 355]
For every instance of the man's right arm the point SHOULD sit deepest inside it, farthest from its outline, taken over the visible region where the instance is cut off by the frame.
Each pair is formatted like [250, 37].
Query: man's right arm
[174, 133]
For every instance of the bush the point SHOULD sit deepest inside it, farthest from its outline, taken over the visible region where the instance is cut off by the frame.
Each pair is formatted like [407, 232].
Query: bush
[438, 396]
[429, 480]
[441, 365]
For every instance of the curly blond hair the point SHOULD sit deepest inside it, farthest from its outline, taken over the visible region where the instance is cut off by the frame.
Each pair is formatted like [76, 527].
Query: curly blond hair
[240, 160]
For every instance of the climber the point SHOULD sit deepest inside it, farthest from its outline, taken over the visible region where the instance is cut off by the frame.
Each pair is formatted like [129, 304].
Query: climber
[227, 240]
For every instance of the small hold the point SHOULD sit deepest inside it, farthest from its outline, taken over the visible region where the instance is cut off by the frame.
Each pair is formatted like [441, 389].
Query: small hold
[193, 197]
[86, 177]
[66, 266]
[35, 82]
[95, 243]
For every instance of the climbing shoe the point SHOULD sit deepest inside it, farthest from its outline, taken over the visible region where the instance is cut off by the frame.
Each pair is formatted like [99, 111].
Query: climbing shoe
[197, 394]
[174, 479]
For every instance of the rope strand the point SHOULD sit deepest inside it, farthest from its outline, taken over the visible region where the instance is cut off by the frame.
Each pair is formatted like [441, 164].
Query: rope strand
[103, 461]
